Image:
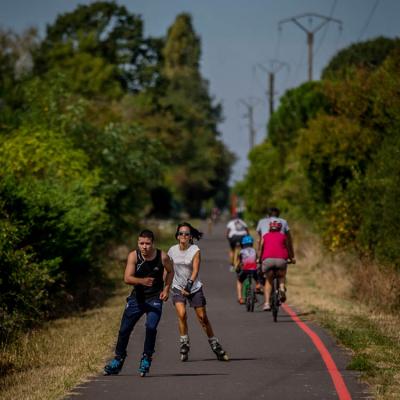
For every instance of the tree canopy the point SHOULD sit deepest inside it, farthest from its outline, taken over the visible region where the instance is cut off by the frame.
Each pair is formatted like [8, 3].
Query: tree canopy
[101, 127]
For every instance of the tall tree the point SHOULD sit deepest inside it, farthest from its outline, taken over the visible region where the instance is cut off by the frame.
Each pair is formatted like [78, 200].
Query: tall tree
[109, 34]
[202, 162]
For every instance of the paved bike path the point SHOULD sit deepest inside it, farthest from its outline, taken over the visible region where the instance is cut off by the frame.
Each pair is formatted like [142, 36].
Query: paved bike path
[267, 360]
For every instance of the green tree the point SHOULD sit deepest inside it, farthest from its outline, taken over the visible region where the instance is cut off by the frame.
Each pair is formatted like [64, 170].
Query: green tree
[51, 222]
[104, 35]
[202, 163]
[367, 55]
[297, 106]
[15, 67]
[124, 155]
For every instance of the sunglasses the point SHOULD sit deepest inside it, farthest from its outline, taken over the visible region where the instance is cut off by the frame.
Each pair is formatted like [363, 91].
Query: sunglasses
[183, 233]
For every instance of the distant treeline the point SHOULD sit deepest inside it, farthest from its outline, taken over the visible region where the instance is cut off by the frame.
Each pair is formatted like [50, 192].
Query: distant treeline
[98, 125]
[332, 154]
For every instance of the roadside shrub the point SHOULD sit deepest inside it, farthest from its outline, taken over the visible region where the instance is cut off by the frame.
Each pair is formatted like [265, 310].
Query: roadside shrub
[50, 222]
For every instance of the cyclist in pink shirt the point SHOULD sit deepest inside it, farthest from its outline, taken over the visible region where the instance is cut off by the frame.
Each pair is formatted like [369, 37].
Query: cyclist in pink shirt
[275, 252]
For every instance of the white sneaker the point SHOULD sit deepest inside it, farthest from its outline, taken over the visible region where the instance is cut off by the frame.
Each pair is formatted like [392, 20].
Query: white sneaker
[266, 307]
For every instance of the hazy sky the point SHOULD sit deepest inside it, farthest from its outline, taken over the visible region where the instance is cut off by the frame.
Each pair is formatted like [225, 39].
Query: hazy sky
[236, 36]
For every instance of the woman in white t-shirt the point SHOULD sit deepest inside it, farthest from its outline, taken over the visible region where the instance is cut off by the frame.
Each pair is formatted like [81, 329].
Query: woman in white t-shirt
[187, 287]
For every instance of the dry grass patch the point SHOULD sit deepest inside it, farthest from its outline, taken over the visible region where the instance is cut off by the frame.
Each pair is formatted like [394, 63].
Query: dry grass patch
[48, 362]
[324, 287]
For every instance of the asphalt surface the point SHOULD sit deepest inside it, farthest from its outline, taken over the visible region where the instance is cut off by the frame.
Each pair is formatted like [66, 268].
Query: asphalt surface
[267, 360]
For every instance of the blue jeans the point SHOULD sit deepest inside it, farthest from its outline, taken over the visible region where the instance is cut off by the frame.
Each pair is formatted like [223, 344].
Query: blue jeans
[133, 312]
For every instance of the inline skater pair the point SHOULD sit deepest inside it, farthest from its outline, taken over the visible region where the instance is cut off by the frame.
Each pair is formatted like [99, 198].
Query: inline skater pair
[150, 271]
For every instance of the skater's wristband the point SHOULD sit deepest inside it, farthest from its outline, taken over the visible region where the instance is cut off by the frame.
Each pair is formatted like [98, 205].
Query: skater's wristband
[189, 285]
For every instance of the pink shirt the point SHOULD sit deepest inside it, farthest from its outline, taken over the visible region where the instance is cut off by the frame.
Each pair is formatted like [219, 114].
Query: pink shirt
[274, 245]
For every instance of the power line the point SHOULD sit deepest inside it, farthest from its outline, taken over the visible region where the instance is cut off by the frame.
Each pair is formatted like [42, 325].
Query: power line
[325, 28]
[278, 44]
[371, 14]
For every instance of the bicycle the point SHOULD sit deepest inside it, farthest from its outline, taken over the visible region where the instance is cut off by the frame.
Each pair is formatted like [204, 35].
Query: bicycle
[276, 299]
[250, 292]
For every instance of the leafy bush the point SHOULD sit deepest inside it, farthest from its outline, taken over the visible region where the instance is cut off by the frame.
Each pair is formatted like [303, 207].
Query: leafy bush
[51, 221]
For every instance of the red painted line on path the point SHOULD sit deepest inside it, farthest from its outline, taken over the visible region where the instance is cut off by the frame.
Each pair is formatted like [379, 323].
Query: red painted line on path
[336, 376]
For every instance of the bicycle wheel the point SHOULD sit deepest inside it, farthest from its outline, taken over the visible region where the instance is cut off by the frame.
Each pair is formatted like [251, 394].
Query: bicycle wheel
[245, 288]
[250, 299]
[248, 295]
[275, 299]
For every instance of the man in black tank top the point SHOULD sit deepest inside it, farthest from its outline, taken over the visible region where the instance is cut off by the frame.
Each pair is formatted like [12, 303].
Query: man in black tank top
[145, 272]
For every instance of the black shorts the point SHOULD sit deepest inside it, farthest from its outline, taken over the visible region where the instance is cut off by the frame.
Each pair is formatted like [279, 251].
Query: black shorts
[242, 275]
[235, 240]
[196, 299]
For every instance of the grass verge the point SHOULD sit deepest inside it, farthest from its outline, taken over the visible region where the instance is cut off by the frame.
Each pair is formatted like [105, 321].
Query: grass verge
[323, 287]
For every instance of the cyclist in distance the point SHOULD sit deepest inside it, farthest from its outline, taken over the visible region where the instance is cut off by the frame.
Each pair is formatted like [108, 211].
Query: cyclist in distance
[187, 288]
[275, 253]
[149, 271]
[263, 228]
[247, 264]
[236, 229]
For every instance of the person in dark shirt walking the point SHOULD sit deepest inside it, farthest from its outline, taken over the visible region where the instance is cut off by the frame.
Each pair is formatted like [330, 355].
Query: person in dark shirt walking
[145, 272]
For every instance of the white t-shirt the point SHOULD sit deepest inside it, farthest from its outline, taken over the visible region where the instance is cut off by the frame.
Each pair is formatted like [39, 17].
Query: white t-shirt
[263, 225]
[183, 266]
[237, 227]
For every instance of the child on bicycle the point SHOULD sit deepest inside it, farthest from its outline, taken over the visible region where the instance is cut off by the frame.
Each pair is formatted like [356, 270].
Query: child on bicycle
[275, 253]
[247, 264]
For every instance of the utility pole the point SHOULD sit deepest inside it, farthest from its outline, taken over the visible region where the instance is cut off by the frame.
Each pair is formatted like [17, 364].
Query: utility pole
[310, 32]
[250, 104]
[274, 67]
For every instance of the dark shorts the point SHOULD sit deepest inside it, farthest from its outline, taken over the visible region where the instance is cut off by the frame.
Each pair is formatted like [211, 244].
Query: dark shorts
[234, 240]
[196, 299]
[242, 275]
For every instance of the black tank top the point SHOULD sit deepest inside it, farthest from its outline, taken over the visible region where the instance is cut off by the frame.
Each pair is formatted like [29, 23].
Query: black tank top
[144, 269]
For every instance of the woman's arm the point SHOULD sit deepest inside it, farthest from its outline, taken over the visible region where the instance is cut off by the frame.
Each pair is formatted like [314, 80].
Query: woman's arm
[289, 245]
[260, 248]
[196, 267]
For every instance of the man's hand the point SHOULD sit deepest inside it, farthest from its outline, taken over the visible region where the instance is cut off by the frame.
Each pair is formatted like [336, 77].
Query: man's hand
[164, 295]
[147, 281]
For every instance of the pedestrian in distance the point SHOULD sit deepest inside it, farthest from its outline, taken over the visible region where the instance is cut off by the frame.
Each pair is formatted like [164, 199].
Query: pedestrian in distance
[187, 288]
[149, 271]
